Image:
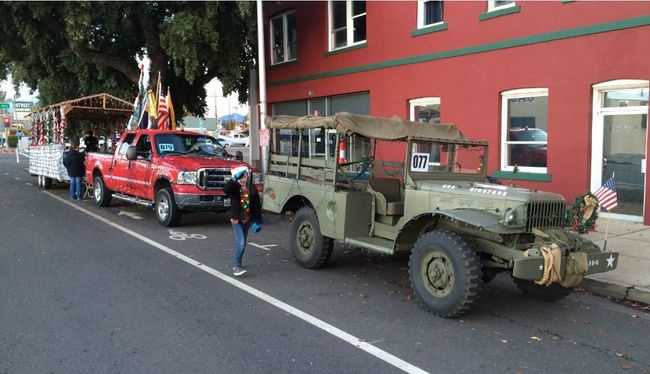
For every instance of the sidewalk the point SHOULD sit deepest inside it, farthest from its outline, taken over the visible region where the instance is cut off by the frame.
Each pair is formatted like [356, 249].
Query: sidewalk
[7, 150]
[631, 279]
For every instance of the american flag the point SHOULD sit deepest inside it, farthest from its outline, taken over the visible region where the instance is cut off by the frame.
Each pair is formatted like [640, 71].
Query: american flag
[163, 114]
[606, 194]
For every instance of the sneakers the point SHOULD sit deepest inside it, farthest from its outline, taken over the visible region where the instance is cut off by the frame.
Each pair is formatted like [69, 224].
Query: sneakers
[238, 271]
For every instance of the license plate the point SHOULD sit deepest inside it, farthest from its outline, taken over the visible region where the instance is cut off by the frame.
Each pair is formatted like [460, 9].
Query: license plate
[226, 202]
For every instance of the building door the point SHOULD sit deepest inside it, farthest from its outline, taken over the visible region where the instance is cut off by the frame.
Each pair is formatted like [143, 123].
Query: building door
[619, 143]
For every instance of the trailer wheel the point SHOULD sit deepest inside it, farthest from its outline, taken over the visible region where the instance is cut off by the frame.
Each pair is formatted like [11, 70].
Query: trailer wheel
[445, 273]
[47, 183]
[310, 248]
[552, 293]
[167, 211]
[101, 194]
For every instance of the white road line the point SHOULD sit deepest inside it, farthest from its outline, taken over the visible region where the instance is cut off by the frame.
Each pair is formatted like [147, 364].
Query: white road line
[330, 329]
[264, 247]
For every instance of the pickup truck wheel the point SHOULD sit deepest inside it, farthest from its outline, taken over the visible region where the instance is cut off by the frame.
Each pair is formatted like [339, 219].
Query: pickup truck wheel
[167, 212]
[101, 194]
[310, 248]
[445, 273]
[554, 292]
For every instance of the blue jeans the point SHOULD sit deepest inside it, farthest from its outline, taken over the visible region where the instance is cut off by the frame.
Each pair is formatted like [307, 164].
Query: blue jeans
[241, 233]
[75, 187]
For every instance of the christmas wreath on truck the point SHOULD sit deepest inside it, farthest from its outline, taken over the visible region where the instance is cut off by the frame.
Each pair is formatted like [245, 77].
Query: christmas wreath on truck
[583, 213]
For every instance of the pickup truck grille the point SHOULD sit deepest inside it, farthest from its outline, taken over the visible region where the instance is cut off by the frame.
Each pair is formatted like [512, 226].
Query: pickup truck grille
[213, 178]
[545, 214]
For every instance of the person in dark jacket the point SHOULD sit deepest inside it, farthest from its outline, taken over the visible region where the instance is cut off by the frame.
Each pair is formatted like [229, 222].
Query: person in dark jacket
[74, 164]
[246, 212]
[92, 144]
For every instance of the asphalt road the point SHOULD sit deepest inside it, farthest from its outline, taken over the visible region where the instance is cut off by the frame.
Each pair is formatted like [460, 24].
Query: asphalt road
[89, 289]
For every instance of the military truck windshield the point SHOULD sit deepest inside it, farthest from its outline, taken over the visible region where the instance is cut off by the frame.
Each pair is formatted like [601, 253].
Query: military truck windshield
[188, 144]
[429, 158]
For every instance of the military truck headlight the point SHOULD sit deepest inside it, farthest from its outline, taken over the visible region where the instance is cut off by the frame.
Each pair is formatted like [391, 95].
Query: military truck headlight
[186, 177]
[509, 216]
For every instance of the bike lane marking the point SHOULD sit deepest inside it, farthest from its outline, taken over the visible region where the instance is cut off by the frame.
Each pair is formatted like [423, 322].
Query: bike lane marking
[265, 247]
[328, 328]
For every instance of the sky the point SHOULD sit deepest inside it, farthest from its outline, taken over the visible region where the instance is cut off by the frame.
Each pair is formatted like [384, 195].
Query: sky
[225, 105]
[11, 93]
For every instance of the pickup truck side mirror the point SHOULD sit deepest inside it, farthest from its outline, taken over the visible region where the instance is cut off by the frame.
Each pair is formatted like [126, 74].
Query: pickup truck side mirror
[239, 156]
[131, 153]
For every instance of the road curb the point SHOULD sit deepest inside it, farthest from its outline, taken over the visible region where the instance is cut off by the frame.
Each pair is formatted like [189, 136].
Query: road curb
[639, 294]
[611, 289]
[617, 291]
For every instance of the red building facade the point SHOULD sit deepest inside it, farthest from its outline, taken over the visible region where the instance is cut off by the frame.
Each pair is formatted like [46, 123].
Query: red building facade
[558, 88]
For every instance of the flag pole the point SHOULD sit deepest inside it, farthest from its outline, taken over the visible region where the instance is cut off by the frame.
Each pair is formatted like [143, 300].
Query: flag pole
[606, 232]
[607, 224]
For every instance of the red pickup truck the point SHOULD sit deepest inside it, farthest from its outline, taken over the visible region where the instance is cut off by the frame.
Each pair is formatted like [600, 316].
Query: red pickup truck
[172, 171]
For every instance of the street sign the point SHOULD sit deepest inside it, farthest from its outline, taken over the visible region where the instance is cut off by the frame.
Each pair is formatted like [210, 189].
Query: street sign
[4, 105]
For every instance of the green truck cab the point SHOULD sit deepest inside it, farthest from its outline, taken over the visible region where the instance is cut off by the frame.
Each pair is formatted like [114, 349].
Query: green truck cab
[393, 186]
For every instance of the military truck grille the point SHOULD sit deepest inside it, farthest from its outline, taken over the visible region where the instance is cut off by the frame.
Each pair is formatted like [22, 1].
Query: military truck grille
[213, 178]
[546, 214]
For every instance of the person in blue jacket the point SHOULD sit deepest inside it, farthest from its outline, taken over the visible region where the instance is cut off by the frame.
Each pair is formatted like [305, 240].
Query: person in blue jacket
[246, 212]
[73, 161]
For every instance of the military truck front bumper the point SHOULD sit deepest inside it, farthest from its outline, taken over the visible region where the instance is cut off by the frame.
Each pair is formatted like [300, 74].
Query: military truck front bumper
[198, 202]
[533, 268]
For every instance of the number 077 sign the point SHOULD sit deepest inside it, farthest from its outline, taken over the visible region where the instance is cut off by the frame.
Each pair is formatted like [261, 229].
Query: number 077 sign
[420, 162]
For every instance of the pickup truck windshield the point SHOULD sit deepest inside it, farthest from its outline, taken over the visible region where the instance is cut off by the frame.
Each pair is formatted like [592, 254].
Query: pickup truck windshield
[188, 144]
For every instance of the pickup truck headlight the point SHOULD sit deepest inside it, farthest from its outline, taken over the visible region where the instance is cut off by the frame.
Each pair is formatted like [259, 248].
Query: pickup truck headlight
[257, 178]
[186, 177]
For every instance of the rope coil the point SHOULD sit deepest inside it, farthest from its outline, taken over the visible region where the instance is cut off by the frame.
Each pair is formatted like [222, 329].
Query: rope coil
[552, 264]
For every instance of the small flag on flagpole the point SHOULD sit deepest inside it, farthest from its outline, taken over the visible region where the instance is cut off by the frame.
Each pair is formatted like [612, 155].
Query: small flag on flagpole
[163, 114]
[170, 111]
[606, 194]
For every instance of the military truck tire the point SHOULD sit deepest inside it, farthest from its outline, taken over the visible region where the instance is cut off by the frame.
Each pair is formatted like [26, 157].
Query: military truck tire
[310, 248]
[445, 273]
[554, 292]
[167, 211]
[101, 195]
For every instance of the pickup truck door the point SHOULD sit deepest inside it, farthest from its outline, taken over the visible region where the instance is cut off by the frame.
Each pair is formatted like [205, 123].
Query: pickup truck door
[140, 169]
[120, 167]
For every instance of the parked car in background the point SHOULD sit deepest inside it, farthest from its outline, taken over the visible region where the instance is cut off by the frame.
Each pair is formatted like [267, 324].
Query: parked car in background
[225, 142]
[237, 139]
[528, 154]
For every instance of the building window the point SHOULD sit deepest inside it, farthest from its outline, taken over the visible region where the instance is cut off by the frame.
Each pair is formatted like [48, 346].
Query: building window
[524, 124]
[429, 12]
[426, 110]
[347, 23]
[500, 4]
[283, 38]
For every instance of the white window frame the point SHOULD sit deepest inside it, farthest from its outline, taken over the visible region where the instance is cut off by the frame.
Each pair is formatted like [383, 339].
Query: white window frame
[492, 5]
[285, 38]
[422, 102]
[516, 94]
[421, 16]
[349, 25]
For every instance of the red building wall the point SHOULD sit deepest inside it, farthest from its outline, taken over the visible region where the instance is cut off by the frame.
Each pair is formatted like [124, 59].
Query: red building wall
[470, 85]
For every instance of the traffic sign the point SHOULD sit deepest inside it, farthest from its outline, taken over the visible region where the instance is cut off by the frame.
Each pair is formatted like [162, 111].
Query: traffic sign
[4, 105]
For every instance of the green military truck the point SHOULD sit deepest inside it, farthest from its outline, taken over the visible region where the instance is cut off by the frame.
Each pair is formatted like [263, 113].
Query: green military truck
[394, 186]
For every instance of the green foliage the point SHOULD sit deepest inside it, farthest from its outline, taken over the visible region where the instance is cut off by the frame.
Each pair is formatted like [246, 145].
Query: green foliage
[12, 141]
[72, 49]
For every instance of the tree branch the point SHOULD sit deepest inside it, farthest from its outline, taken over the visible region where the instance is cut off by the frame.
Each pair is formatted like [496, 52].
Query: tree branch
[128, 69]
[151, 35]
